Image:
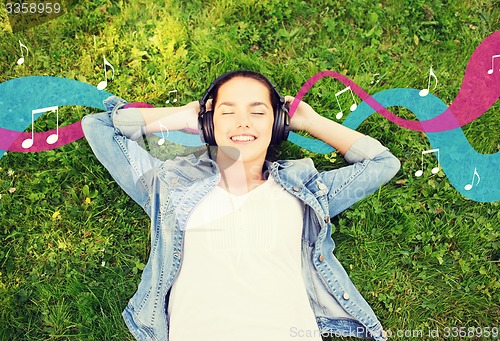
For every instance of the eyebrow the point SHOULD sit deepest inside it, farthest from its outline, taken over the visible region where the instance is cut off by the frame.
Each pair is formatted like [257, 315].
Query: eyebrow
[253, 104]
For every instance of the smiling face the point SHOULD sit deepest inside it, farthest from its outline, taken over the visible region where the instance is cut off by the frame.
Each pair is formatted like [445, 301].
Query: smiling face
[243, 120]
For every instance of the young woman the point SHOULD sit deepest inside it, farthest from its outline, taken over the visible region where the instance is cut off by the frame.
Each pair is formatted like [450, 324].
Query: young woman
[241, 247]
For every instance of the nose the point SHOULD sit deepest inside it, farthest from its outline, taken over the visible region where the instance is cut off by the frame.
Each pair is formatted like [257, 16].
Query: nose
[244, 120]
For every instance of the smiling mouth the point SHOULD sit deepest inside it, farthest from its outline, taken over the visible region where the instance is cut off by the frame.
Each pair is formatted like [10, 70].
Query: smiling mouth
[243, 138]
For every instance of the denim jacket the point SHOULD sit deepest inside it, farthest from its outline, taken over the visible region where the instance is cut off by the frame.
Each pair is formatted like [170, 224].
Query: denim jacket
[170, 190]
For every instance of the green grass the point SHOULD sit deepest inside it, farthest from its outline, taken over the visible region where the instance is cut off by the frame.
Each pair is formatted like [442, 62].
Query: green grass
[423, 256]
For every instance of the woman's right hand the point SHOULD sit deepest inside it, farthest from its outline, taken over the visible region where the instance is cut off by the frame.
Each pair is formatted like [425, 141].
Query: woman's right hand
[193, 109]
[302, 115]
[195, 105]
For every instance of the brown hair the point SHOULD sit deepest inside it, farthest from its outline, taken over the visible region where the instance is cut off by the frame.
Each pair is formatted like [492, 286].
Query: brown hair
[246, 74]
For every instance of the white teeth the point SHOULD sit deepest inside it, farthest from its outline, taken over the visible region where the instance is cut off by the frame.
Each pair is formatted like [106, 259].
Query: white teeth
[243, 138]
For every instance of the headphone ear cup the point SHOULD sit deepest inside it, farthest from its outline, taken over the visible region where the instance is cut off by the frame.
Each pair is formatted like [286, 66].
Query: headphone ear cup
[201, 128]
[208, 128]
[281, 126]
[286, 125]
[277, 128]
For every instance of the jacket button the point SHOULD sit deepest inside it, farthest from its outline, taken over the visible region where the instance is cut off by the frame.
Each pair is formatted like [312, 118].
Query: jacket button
[295, 188]
[322, 186]
[327, 219]
[345, 295]
[384, 334]
[321, 258]
[174, 181]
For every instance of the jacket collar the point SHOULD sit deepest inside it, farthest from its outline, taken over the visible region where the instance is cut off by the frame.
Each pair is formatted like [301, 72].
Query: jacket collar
[293, 172]
[190, 167]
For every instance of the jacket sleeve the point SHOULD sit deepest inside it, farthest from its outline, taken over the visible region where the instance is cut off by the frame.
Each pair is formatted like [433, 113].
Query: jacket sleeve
[372, 165]
[132, 167]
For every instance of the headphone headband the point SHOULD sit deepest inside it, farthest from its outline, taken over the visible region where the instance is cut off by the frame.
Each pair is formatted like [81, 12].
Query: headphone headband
[281, 126]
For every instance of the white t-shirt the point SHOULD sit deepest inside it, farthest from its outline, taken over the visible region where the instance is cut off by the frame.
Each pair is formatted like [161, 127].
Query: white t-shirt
[240, 277]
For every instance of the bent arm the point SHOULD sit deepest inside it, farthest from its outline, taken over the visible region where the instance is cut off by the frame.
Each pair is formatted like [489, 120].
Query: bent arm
[336, 135]
[372, 164]
[132, 167]
[134, 122]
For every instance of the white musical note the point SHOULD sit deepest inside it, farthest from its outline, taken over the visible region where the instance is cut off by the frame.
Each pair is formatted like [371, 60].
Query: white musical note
[376, 80]
[373, 80]
[51, 139]
[21, 60]
[468, 187]
[435, 169]
[490, 71]
[172, 97]
[102, 85]
[162, 140]
[425, 92]
[353, 106]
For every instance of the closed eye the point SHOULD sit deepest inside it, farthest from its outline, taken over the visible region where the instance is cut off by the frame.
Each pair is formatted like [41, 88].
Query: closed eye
[258, 113]
[227, 113]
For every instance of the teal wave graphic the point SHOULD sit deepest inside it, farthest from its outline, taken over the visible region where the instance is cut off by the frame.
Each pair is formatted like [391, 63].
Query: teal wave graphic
[458, 159]
[462, 164]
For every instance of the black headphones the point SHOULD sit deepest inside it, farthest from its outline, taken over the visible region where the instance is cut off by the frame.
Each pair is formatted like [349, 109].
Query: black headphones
[281, 125]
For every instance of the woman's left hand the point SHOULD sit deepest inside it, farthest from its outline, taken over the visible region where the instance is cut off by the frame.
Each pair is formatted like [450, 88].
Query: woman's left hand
[301, 116]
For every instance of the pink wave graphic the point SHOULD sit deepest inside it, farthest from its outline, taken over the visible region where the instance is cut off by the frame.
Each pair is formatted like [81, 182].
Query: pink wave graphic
[479, 91]
[12, 140]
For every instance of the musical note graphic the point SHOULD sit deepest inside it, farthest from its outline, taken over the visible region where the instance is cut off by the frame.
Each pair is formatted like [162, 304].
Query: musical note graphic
[162, 140]
[433, 170]
[468, 187]
[21, 46]
[433, 116]
[353, 106]
[490, 71]
[102, 85]
[425, 92]
[373, 80]
[51, 139]
[172, 97]
[461, 111]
